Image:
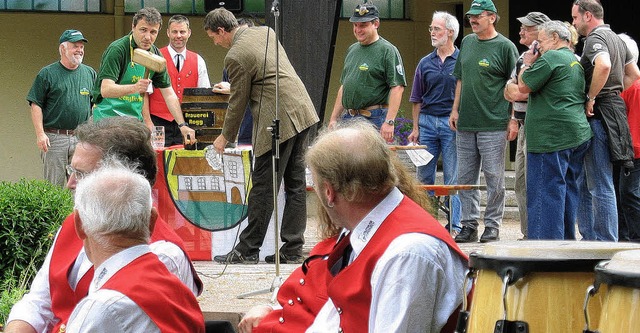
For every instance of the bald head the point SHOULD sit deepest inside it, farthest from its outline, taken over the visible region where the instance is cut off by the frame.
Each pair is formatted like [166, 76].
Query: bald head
[354, 160]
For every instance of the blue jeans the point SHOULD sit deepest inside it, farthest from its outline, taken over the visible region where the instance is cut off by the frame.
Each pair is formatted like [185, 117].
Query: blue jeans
[597, 212]
[552, 192]
[476, 151]
[377, 116]
[628, 194]
[436, 134]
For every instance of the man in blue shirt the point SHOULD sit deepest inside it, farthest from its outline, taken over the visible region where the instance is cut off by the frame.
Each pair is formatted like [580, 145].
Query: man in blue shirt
[432, 96]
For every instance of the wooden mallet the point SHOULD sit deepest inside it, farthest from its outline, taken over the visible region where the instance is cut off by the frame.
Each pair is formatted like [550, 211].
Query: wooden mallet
[149, 61]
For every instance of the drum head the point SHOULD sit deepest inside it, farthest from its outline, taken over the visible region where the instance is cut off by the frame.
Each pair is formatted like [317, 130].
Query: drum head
[518, 258]
[623, 270]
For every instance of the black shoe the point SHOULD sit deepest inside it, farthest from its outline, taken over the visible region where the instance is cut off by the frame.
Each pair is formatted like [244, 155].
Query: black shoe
[235, 257]
[467, 235]
[285, 259]
[490, 235]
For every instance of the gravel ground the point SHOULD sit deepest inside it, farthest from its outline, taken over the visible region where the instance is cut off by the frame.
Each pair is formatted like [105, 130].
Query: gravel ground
[224, 284]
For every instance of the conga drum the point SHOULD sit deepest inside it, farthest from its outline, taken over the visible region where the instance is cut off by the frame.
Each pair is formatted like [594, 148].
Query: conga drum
[621, 309]
[535, 286]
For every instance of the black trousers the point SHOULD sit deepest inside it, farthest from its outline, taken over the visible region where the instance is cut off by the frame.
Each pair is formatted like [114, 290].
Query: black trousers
[260, 205]
[172, 134]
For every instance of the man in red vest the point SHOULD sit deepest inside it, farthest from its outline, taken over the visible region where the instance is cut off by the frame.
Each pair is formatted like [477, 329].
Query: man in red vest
[186, 69]
[398, 270]
[63, 280]
[132, 291]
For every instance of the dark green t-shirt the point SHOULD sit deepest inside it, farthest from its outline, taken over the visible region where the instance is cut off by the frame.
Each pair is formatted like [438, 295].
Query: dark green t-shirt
[484, 66]
[555, 114]
[369, 73]
[64, 95]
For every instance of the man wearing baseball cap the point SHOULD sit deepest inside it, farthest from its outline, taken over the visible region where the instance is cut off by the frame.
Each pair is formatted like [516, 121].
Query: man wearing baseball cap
[373, 79]
[480, 116]
[60, 100]
[528, 34]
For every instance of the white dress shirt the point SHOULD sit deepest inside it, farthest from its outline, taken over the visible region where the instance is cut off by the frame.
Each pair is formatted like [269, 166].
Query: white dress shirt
[415, 285]
[35, 306]
[203, 76]
[104, 310]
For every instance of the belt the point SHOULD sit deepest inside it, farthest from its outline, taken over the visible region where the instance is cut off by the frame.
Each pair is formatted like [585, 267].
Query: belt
[365, 112]
[59, 131]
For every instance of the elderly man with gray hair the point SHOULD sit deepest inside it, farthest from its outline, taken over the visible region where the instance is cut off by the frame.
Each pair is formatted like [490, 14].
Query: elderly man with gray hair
[528, 35]
[432, 97]
[114, 217]
[558, 134]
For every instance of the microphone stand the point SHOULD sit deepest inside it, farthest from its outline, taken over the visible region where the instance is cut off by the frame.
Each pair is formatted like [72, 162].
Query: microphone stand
[275, 164]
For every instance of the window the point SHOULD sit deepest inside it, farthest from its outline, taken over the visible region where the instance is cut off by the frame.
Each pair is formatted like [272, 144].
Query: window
[215, 184]
[189, 7]
[202, 183]
[233, 169]
[389, 9]
[52, 5]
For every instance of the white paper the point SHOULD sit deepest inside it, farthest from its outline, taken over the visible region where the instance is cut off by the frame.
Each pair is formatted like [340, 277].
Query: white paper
[419, 157]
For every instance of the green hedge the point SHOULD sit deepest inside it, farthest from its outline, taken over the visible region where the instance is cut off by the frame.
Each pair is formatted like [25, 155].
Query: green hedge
[31, 211]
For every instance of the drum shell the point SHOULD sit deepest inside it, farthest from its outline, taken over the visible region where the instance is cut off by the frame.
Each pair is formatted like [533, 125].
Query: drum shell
[548, 293]
[548, 302]
[620, 311]
[621, 308]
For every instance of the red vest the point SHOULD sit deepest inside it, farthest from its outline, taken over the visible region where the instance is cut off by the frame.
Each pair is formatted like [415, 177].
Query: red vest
[187, 78]
[160, 294]
[301, 298]
[65, 252]
[350, 290]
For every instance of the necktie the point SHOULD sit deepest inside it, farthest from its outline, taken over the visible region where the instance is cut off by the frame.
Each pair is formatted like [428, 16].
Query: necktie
[339, 259]
[178, 56]
[346, 256]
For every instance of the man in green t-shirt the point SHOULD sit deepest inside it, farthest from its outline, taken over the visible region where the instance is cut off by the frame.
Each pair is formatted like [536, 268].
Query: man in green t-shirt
[60, 100]
[480, 115]
[120, 87]
[558, 134]
[372, 80]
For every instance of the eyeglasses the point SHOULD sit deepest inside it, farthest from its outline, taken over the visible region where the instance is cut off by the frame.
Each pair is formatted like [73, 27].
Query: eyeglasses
[436, 29]
[469, 17]
[71, 171]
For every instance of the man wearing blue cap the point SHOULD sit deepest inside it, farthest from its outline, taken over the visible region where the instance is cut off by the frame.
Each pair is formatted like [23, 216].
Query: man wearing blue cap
[373, 79]
[60, 100]
[481, 117]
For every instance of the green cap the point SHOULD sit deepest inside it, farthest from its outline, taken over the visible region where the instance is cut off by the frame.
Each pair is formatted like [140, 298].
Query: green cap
[72, 36]
[479, 6]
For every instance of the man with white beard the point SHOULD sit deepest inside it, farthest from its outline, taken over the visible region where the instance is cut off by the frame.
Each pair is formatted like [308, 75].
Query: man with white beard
[60, 100]
[432, 95]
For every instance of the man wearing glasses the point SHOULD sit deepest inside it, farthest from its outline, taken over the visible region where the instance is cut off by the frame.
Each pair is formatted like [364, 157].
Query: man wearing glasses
[480, 115]
[66, 273]
[432, 97]
[528, 34]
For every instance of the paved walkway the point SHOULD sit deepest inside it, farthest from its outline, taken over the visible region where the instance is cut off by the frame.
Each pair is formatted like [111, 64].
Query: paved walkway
[223, 284]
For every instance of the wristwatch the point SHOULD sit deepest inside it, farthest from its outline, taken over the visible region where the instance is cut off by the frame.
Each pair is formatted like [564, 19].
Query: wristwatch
[590, 99]
[182, 124]
[390, 122]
